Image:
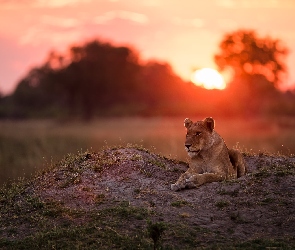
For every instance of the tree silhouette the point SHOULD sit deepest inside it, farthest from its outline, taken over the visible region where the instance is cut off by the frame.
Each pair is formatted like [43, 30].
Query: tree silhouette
[247, 54]
[100, 75]
[99, 79]
[258, 66]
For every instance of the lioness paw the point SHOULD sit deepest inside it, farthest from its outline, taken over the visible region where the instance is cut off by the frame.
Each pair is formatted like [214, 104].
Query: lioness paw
[191, 178]
[174, 187]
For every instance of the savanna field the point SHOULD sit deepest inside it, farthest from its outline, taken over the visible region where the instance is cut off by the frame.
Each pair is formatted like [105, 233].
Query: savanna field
[29, 146]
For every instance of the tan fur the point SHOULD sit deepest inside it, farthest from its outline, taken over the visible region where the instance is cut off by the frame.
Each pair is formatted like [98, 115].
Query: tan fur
[210, 159]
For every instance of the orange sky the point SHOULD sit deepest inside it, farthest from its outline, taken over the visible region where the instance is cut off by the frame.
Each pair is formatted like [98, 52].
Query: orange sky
[186, 33]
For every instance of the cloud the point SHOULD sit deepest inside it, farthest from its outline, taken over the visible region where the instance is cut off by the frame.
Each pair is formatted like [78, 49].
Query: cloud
[195, 22]
[52, 29]
[37, 35]
[151, 3]
[60, 22]
[57, 3]
[256, 4]
[227, 24]
[14, 4]
[226, 3]
[121, 14]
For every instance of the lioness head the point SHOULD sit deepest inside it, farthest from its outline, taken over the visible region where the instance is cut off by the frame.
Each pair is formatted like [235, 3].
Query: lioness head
[199, 135]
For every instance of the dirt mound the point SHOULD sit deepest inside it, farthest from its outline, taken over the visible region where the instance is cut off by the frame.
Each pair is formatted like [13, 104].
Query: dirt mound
[258, 206]
[128, 174]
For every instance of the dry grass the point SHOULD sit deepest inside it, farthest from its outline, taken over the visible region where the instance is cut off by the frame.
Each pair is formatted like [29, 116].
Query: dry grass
[27, 146]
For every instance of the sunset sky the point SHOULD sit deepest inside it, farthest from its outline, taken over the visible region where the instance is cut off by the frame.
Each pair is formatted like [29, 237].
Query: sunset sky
[185, 33]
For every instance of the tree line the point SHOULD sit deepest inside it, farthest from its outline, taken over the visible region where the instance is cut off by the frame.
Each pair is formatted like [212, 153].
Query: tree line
[100, 79]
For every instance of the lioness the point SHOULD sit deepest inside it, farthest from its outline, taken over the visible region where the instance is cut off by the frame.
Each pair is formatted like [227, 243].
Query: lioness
[210, 159]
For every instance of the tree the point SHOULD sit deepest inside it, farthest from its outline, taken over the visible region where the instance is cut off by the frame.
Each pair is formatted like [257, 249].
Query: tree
[99, 76]
[36, 92]
[247, 54]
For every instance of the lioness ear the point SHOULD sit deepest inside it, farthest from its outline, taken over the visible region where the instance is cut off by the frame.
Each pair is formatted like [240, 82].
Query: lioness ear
[187, 122]
[209, 123]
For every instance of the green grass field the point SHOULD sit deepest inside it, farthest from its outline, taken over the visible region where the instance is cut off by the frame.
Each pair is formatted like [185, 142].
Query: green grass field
[29, 146]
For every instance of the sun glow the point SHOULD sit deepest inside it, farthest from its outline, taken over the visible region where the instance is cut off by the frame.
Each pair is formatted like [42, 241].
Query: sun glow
[208, 78]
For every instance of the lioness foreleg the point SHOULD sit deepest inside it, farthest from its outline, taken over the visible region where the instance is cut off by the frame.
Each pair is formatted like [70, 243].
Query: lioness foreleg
[190, 180]
[181, 182]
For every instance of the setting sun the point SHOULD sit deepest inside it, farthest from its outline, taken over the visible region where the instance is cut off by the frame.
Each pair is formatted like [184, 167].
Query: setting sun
[208, 78]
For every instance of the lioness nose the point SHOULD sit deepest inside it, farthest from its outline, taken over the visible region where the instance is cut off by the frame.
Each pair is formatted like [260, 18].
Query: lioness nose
[188, 145]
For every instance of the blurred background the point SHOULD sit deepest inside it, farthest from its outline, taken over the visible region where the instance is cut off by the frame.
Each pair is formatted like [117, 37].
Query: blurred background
[79, 75]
